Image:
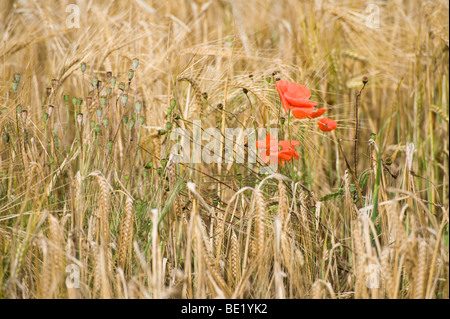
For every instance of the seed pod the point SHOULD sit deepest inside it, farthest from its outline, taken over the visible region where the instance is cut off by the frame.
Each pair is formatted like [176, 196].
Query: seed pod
[92, 123]
[162, 132]
[48, 91]
[15, 86]
[5, 137]
[95, 82]
[99, 113]
[163, 162]
[74, 101]
[98, 129]
[19, 108]
[105, 122]
[125, 120]
[17, 78]
[103, 100]
[169, 111]
[122, 86]
[169, 126]
[124, 100]
[149, 165]
[66, 98]
[365, 79]
[130, 74]
[113, 81]
[132, 122]
[135, 63]
[141, 120]
[83, 67]
[79, 101]
[172, 103]
[108, 75]
[138, 106]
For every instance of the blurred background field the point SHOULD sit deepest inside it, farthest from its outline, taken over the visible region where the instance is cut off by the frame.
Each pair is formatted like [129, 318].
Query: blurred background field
[89, 95]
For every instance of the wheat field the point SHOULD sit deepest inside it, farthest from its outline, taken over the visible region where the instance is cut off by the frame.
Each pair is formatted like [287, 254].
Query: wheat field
[93, 204]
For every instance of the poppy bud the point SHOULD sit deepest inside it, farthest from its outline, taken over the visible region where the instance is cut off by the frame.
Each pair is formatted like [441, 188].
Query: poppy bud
[80, 100]
[135, 63]
[24, 115]
[113, 81]
[169, 126]
[245, 91]
[373, 136]
[92, 123]
[122, 86]
[80, 118]
[83, 67]
[141, 120]
[95, 82]
[172, 103]
[163, 162]
[268, 80]
[98, 129]
[138, 106]
[125, 120]
[220, 106]
[162, 132]
[66, 98]
[17, 77]
[50, 110]
[176, 116]
[109, 145]
[15, 86]
[282, 120]
[169, 111]
[74, 101]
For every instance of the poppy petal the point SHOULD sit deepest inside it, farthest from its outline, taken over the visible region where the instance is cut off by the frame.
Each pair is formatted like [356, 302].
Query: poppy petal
[299, 102]
[288, 144]
[282, 88]
[318, 113]
[297, 90]
[327, 125]
[302, 113]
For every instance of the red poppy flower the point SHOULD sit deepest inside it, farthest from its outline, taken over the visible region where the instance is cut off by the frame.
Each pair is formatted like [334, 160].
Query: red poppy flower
[327, 125]
[277, 151]
[294, 95]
